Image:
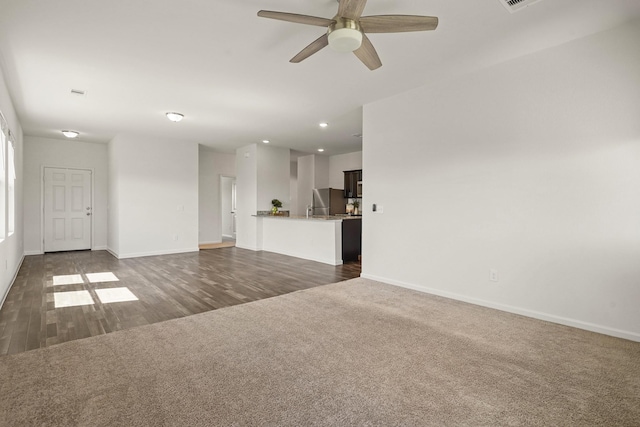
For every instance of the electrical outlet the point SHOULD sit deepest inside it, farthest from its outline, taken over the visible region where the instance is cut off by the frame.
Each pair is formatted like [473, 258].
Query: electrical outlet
[493, 275]
[175, 237]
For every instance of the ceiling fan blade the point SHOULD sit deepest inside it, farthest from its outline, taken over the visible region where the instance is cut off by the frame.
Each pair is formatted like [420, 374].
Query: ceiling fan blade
[367, 54]
[397, 23]
[294, 17]
[351, 9]
[315, 46]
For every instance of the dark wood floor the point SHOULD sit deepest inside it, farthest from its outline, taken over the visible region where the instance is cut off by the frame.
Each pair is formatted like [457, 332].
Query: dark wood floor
[167, 287]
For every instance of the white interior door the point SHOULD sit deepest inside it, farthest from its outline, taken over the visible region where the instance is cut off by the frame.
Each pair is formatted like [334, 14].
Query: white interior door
[67, 209]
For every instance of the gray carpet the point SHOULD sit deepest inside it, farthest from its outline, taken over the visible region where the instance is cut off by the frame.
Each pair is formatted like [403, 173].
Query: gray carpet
[351, 353]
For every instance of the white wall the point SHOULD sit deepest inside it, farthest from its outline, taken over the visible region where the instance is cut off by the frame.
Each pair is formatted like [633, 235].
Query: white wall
[11, 248]
[39, 152]
[156, 191]
[247, 197]
[529, 168]
[262, 174]
[211, 166]
[306, 177]
[274, 165]
[321, 172]
[293, 188]
[340, 163]
[313, 172]
[114, 152]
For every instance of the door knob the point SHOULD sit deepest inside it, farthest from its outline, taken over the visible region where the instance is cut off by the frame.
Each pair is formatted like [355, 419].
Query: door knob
[88, 213]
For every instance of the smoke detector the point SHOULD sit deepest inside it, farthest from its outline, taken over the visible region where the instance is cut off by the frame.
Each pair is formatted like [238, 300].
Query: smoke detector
[516, 5]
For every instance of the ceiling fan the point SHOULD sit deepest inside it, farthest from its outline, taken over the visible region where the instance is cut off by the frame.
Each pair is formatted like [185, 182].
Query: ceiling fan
[346, 31]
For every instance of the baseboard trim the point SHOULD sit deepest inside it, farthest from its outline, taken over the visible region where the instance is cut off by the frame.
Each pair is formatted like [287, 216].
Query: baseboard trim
[323, 261]
[112, 252]
[334, 262]
[154, 253]
[13, 280]
[27, 253]
[618, 333]
[99, 248]
[249, 248]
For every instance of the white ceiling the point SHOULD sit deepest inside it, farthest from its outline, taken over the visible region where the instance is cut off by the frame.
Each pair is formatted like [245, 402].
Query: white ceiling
[228, 71]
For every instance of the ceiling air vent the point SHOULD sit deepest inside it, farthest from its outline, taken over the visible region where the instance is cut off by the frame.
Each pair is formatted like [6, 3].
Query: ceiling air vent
[516, 5]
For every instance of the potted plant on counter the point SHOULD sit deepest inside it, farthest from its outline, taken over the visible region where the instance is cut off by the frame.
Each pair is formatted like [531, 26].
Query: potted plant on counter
[276, 205]
[356, 205]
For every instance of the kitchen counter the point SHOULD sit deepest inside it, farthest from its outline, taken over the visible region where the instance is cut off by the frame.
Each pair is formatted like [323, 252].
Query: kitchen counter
[317, 238]
[313, 218]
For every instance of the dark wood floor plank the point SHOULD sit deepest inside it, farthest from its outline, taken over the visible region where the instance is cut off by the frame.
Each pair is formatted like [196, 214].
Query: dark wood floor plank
[167, 287]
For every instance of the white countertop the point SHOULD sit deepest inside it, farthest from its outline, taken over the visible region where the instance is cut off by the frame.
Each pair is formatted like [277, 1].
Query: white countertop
[312, 218]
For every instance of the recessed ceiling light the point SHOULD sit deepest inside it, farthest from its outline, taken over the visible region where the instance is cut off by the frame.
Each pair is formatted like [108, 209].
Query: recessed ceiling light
[70, 133]
[266, 141]
[321, 149]
[324, 124]
[175, 117]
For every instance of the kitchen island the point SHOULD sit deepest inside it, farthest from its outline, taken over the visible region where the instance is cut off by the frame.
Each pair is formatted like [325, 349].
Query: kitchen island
[316, 238]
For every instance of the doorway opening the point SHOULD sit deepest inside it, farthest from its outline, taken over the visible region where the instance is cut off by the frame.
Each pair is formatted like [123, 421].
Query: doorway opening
[228, 198]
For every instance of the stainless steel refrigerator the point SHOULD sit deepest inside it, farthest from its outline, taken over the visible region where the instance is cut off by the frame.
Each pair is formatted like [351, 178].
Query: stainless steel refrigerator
[328, 201]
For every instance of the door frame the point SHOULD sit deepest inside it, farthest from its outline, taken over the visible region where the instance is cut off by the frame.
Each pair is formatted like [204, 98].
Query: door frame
[42, 168]
[220, 202]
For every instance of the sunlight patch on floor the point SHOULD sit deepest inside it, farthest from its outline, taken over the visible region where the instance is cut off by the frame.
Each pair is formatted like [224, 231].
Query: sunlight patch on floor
[70, 279]
[110, 295]
[72, 299]
[102, 277]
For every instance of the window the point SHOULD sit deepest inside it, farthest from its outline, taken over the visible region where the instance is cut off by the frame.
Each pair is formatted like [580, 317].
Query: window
[4, 137]
[11, 185]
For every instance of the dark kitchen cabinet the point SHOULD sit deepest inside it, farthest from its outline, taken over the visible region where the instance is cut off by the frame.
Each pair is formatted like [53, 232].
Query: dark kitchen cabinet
[351, 239]
[351, 179]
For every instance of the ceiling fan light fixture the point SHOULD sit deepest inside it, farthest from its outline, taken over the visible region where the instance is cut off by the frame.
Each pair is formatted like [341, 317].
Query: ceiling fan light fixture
[345, 39]
[175, 117]
[344, 35]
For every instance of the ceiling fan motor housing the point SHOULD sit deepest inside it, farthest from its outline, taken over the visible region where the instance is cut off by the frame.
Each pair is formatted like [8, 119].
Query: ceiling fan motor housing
[345, 35]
